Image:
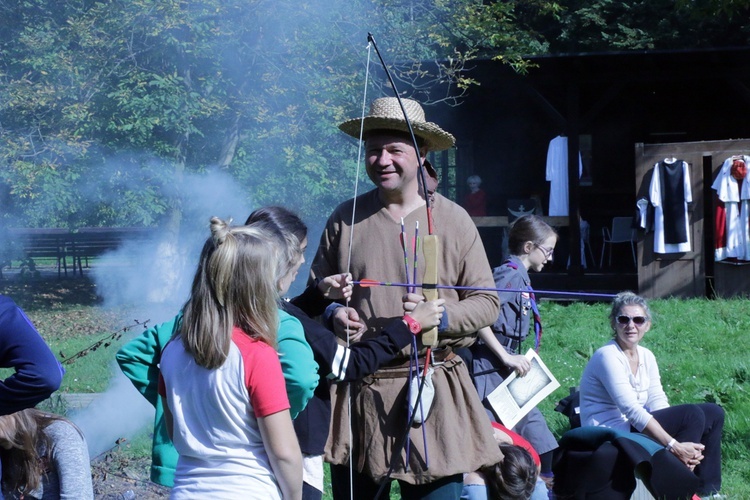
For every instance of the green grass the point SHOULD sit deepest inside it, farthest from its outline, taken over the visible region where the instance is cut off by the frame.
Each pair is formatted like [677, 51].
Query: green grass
[700, 346]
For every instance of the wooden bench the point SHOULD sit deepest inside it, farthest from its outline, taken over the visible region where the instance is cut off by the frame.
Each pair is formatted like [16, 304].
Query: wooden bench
[42, 243]
[89, 242]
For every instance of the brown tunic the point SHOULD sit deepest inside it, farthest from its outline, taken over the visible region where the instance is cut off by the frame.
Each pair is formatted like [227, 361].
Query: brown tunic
[459, 435]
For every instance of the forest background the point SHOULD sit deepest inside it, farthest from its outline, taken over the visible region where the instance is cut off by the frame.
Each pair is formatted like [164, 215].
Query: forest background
[109, 108]
[161, 113]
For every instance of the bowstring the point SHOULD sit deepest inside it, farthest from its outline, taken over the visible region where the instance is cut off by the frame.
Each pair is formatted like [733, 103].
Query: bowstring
[349, 262]
[430, 230]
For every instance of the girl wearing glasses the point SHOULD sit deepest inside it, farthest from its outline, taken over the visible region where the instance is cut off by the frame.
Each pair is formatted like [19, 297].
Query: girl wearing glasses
[498, 350]
[621, 389]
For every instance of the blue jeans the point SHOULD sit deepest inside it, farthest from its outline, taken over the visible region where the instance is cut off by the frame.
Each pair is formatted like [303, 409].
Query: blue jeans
[447, 488]
[479, 491]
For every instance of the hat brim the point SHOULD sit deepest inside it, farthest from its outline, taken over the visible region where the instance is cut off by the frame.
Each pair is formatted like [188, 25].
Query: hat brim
[435, 138]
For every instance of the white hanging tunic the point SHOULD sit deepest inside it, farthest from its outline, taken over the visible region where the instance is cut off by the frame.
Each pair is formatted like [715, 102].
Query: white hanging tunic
[731, 237]
[657, 196]
[557, 174]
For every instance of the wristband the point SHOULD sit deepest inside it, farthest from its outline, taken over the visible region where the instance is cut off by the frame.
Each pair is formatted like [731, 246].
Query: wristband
[671, 444]
[413, 324]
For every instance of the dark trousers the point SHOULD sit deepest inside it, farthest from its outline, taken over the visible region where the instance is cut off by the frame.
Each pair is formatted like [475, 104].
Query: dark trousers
[447, 488]
[698, 423]
[310, 492]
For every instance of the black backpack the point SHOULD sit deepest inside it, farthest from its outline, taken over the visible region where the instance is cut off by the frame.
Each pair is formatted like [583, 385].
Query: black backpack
[570, 406]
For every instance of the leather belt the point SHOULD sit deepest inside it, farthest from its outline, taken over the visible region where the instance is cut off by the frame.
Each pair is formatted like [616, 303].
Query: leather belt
[438, 356]
[509, 343]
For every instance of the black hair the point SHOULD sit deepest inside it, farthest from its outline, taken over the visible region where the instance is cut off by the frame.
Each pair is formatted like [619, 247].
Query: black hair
[284, 219]
[514, 477]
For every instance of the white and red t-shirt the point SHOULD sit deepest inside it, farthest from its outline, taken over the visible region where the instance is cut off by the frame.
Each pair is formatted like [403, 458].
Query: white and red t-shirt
[215, 416]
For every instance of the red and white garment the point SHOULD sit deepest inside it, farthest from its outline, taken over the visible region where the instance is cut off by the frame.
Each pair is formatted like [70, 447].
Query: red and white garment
[731, 234]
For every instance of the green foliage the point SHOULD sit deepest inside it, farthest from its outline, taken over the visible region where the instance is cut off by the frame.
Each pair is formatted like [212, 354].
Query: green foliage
[254, 88]
[106, 106]
[611, 25]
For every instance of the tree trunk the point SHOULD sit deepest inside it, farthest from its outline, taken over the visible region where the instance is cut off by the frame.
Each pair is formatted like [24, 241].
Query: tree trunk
[229, 146]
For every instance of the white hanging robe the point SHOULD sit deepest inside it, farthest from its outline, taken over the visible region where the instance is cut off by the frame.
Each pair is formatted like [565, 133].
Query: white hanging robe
[557, 174]
[671, 234]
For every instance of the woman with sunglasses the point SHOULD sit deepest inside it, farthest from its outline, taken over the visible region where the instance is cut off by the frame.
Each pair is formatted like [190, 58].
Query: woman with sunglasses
[498, 351]
[621, 389]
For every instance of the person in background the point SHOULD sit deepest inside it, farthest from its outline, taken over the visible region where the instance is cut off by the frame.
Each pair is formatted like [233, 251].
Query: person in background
[498, 353]
[226, 408]
[476, 201]
[379, 404]
[621, 389]
[45, 457]
[37, 372]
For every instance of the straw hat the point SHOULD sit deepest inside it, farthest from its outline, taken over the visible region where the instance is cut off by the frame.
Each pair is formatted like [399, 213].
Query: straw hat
[386, 114]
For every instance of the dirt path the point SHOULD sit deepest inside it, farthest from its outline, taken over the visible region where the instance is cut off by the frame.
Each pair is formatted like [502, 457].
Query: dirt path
[116, 480]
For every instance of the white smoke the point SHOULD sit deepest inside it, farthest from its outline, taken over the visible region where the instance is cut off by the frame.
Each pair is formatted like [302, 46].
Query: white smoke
[119, 412]
[152, 277]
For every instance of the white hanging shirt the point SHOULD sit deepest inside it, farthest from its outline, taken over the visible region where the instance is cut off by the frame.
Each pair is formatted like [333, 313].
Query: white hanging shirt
[557, 174]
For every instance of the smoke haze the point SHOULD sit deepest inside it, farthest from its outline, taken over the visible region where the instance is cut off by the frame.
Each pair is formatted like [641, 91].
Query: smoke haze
[153, 276]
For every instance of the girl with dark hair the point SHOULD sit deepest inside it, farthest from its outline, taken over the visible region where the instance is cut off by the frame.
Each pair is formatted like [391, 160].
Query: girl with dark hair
[44, 457]
[497, 352]
[514, 477]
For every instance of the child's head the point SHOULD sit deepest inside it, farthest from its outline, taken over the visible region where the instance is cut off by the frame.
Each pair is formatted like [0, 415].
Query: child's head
[236, 284]
[530, 235]
[512, 478]
[17, 430]
[20, 436]
[289, 227]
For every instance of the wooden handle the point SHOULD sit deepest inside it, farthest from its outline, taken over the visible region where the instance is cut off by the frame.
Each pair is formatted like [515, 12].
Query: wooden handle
[431, 254]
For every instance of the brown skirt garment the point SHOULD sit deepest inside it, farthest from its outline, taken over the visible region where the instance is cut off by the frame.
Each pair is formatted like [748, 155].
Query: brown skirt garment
[458, 431]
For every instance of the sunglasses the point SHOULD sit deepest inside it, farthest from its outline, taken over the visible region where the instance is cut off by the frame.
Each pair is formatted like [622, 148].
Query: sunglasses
[637, 320]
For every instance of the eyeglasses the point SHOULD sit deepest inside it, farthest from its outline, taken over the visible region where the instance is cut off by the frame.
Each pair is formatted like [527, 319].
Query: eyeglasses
[546, 251]
[637, 320]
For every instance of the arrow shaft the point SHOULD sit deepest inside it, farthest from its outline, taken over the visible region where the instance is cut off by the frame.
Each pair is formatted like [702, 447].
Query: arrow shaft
[480, 288]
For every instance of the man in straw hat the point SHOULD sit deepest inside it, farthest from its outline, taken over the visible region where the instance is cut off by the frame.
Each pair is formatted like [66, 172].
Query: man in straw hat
[457, 436]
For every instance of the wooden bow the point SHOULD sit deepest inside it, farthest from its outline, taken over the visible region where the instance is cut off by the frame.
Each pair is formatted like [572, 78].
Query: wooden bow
[430, 242]
[430, 248]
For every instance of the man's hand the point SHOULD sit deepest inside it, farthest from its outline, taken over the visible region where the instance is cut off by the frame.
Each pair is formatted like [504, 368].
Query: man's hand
[411, 300]
[346, 324]
[427, 314]
[336, 287]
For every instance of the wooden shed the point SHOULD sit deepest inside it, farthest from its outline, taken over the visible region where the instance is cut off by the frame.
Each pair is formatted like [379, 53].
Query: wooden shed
[622, 111]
